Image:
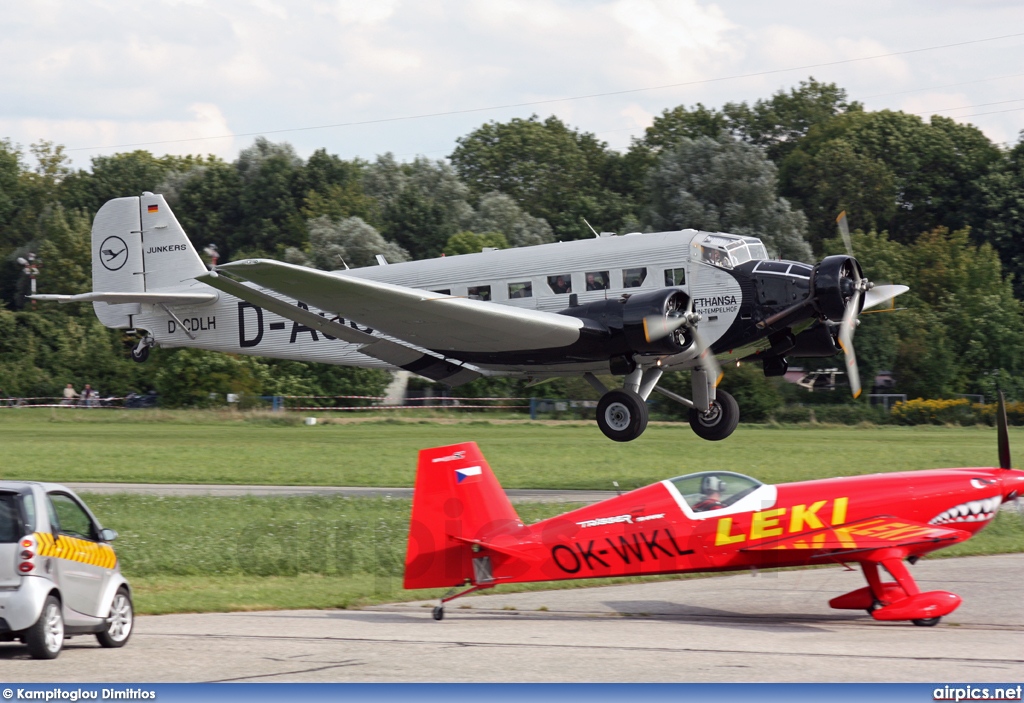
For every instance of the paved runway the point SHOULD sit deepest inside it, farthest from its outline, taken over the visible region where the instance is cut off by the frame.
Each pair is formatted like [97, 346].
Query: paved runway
[772, 627]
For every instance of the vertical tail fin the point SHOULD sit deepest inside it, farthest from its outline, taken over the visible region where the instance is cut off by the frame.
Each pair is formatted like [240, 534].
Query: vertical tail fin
[138, 246]
[456, 501]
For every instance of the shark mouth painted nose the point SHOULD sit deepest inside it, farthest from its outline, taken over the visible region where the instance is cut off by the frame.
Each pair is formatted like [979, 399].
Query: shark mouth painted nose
[971, 511]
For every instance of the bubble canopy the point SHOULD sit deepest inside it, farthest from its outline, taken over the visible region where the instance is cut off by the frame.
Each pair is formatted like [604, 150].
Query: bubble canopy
[713, 490]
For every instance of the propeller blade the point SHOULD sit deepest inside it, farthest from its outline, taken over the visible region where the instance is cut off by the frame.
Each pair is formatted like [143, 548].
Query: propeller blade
[844, 230]
[707, 357]
[658, 326]
[882, 294]
[1003, 432]
[846, 342]
[705, 354]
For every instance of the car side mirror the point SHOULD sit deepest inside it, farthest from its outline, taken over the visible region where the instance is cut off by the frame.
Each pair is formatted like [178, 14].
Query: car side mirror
[108, 535]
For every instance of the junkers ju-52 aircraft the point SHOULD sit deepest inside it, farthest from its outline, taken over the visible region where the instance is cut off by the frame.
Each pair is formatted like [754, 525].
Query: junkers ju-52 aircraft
[634, 306]
[465, 534]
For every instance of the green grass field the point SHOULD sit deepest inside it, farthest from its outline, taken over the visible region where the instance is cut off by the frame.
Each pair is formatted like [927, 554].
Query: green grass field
[217, 554]
[183, 447]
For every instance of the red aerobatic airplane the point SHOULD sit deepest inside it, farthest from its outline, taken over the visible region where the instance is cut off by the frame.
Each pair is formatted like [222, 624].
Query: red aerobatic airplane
[465, 532]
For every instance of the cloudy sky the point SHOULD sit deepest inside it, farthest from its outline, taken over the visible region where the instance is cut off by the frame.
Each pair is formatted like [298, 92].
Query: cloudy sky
[361, 77]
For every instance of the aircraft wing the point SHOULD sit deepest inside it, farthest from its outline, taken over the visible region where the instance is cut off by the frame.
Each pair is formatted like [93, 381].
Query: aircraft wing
[115, 298]
[418, 361]
[865, 535]
[419, 317]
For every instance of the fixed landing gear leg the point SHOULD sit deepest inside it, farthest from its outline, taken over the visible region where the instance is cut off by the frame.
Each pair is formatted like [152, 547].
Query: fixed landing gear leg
[451, 595]
[141, 350]
[922, 609]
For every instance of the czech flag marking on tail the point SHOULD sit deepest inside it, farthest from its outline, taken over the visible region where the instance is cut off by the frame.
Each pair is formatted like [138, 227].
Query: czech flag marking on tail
[467, 473]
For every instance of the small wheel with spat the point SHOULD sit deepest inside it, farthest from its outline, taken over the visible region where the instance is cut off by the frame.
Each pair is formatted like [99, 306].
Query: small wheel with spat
[927, 622]
[439, 612]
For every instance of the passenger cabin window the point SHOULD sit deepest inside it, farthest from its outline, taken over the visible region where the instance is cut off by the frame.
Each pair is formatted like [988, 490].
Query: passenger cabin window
[72, 519]
[714, 490]
[562, 283]
[633, 278]
[479, 292]
[597, 280]
[520, 290]
[675, 277]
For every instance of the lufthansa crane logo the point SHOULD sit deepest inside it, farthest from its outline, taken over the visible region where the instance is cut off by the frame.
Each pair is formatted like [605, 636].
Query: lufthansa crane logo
[113, 253]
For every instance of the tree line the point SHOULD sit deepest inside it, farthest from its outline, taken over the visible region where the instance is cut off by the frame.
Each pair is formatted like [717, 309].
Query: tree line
[934, 204]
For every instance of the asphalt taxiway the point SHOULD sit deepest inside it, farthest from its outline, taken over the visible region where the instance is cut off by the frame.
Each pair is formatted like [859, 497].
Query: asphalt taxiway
[772, 626]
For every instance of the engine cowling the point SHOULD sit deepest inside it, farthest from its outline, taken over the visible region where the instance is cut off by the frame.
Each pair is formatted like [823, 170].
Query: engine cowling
[833, 284]
[637, 321]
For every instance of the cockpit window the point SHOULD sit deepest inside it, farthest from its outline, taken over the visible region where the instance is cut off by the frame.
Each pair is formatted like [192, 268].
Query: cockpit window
[713, 490]
[715, 257]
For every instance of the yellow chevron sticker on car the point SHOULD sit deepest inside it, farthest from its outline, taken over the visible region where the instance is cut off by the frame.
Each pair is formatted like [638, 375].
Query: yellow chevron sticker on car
[75, 549]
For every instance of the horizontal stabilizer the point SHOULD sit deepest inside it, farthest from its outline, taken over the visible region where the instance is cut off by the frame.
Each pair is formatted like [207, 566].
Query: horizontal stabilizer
[136, 297]
[399, 355]
[879, 532]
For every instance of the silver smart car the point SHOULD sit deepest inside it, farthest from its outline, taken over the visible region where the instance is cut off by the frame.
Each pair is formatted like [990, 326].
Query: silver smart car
[59, 576]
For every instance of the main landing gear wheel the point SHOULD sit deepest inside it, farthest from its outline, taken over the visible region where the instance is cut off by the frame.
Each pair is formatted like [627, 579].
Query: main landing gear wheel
[622, 415]
[439, 612]
[719, 421]
[927, 622]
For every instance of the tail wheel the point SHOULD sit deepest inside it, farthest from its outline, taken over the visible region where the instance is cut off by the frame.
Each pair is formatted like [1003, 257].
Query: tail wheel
[926, 622]
[622, 415]
[121, 621]
[46, 637]
[719, 421]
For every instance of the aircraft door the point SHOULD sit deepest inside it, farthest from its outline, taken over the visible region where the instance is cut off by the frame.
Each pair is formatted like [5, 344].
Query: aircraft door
[83, 564]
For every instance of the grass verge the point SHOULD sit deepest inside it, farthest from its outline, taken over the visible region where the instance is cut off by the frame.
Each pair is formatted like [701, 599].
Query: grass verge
[239, 448]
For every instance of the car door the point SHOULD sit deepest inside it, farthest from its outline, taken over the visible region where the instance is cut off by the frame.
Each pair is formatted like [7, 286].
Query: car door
[84, 563]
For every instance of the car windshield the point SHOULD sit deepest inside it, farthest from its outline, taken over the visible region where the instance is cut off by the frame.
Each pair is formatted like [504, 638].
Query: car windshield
[712, 490]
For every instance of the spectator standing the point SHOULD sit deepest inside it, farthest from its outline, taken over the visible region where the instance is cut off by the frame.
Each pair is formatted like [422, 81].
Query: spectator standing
[69, 395]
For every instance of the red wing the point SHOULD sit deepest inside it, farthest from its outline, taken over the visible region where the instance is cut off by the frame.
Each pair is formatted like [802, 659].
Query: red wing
[863, 535]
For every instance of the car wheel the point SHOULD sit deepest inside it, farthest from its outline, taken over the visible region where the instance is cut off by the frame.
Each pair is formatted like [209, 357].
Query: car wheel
[926, 622]
[46, 637]
[122, 618]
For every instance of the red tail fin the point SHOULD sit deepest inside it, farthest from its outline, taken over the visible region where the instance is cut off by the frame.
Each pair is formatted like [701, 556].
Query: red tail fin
[457, 501]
